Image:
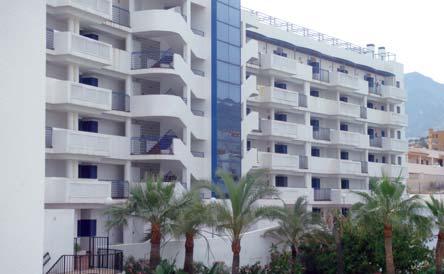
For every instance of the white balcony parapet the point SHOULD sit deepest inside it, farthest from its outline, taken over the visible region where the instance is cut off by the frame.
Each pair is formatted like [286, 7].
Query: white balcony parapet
[393, 92]
[250, 51]
[250, 160]
[348, 81]
[121, 61]
[250, 123]
[331, 107]
[82, 49]
[290, 194]
[386, 117]
[249, 88]
[277, 161]
[285, 129]
[426, 169]
[346, 196]
[74, 191]
[285, 97]
[349, 138]
[334, 166]
[380, 169]
[70, 93]
[285, 66]
[101, 8]
[392, 144]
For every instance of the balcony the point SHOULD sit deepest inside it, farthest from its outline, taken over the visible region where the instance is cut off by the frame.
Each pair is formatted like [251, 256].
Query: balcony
[290, 194]
[332, 107]
[250, 160]
[96, 10]
[347, 81]
[278, 161]
[346, 196]
[121, 61]
[426, 169]
[284, 66]
[386, 118]
[120, 102]
[391, 144]
[322, 195]
[285, 129]
[121, 16]
[394, 93]
[249, 124]
[280, 96]
[64, 141]
[249, 88]
[349, 138]
[84, 191]
[380, 169]
[77, 96]
[334, 166]
[71, 47]
[322, 134]
[250, 51]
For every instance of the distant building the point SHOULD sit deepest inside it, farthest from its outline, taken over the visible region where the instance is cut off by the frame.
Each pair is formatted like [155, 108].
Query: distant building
[426, 171]
[436, 139]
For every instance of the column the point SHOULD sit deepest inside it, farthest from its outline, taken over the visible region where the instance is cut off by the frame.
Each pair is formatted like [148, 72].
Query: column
[127, 173]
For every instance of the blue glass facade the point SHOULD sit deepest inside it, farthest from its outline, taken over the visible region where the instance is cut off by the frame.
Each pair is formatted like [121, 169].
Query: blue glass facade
[226, 87]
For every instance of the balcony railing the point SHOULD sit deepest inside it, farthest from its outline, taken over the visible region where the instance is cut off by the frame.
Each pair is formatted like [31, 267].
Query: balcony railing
[303, 162]
[198, 154]
[121, 16]
[364, 167]
[152, 145]
[119, 189]
[198, 72]
[375, 142]
[198, 112]
[302, 100]
[363, 112]
[49, 38]
[48, 137]
[375, 90]
[322, 134]
[322, 195]
[152, 59]
[120, 101]
[198, 32]
[323, 76]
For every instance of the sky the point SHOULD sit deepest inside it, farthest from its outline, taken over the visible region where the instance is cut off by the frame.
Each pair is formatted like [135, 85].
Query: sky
[412, 29]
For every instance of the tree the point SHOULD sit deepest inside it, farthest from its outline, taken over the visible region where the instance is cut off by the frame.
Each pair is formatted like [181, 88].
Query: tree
[239, 211]
[156, 203]
[386, 204]
[294, 222]
[436, 208]
[189, 222]
[336, 223]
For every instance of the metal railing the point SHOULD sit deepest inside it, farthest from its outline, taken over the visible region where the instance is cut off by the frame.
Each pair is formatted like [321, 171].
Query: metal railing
[152, 59]
[323, 75]
[121, 16]
[376, 142]
[120, 102]
[198, 154]
[119, 189]
[303, 162]
[375, 90]
[198, 72]
[48, 137]
[152, 145]
[321, 134]
[364, 167]
[322, 194]
[49, 38]
[198, 32]
[302, 100]
[198, 112]
[363, 112]
[315, 35]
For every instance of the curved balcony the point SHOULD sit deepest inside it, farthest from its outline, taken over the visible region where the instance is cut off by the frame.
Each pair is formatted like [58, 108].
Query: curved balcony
[285, 129]
[250, 160]
[386, 118]
[96, 10]
[167, 63]
[334, 166]
[285, 66]
[76, 96]
[249, 88]
[169, 22]
[250, 51]
[349, 138]
[70, 47]
[331, 107]
[169, 106]
[250, 123]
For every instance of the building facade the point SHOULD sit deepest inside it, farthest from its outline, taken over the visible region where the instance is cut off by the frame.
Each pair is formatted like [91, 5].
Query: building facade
[436, 139]
[183, 88]
[426, 171]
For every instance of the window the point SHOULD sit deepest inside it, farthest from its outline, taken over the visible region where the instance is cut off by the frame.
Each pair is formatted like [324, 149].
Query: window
[87, 172]
[315, 152]
[316, 183]
[92, 81]
[398, 135]
[86, 228]
[398, 84]
[344, 211]
[382, 133]
[280, 117]
[316, 210]
[280, 52]
[281, 181]
[88, 125]
[248, 145]
[343, 127]
[383, 160]
[280, 85]
[344, 155]
[371, 133]
[369, 105]
[314, 93]
[382, 108]
[371, 158]
[398, 109]
[345, 184]
[315, 124]
[399, 160]
[281, 149]
[343, 99]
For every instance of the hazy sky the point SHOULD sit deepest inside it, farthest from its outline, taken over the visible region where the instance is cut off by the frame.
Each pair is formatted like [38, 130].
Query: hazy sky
[412, 29]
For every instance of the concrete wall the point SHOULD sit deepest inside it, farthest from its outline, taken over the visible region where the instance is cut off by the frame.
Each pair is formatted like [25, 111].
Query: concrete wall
[22, 104]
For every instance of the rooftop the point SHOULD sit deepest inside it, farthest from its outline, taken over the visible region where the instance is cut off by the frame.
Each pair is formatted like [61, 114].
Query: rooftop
[317, 36]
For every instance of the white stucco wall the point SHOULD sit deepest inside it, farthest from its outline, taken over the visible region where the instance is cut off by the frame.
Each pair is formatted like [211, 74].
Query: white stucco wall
[22, 89]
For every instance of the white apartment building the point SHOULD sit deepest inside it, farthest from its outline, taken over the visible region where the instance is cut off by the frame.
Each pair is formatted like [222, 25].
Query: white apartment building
[182, 88]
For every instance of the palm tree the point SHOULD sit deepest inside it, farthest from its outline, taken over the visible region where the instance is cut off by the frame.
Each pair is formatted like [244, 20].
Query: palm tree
[386, 205]
[294, 222]
[189, 222]
[239, 211]
[337, 222]
[436, 207]
[156, 203]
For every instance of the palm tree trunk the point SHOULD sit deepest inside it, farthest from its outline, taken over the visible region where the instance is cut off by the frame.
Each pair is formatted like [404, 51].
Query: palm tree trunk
[439, 252]
[189, 252]
[339, 251]
[389, 263]
[235, 247]
[155, 245]
[294, 254]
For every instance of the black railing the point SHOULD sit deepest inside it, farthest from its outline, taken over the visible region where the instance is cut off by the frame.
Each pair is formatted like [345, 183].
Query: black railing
[48, 137]
[121, 16]
[321, 134]
[323, 194]
[46, 259]
[106, 261]
[152, 145]
[49, 38]
[303, 100]
[120, 101]
[119, 189]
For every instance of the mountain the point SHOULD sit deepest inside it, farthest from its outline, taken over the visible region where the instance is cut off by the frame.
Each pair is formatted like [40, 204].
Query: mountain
[425, 104]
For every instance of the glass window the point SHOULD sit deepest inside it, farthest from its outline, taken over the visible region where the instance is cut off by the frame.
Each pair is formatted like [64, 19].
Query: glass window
[281, 181]
[345, 184]
[280, 117]
[282, 149]
[316, 183]
[222, 12]
[234, 17]
[222, 31]
[234, 36]
[344, 127]
[234, 55]
[234, 74]
[234, 3]
[315, 152]
[223, 51]
[344, 155]
[314, 93]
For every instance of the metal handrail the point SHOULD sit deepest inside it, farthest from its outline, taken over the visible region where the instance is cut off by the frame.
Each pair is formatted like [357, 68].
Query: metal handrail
[198, 32]
[198, 154]
[152, 59]
[49, 38]
[376, 142]
[198, 112]
[302, 100]
[121, 16]
[48, 137]
[120, 102]
[119, 189]
[198, 72]
[322, 134]
[322, 194]
[303, 162]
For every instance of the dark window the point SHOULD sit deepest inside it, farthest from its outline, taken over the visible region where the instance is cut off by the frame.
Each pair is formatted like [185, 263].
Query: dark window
[280, 52]
[371, 133]
[343, 99]
[87, 171]
[398, 84]
[280, 85]
[281, 181]
[316, 183]
[86, 228]
[315, 152]
[89, 35]
[316, 210]
[398, 109]
[399, 161]
[92, 81]
[344, 211]
[280, 117]
[248, 145]
[344, 127]
[382, 133]
[88, 125]
[344, 155]
[315, 124]
[383, 160]
[314, 93]
[345, 184]
[282, 149]
[369, 105]
[398, 134]
[371, 158]
[382, 108]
